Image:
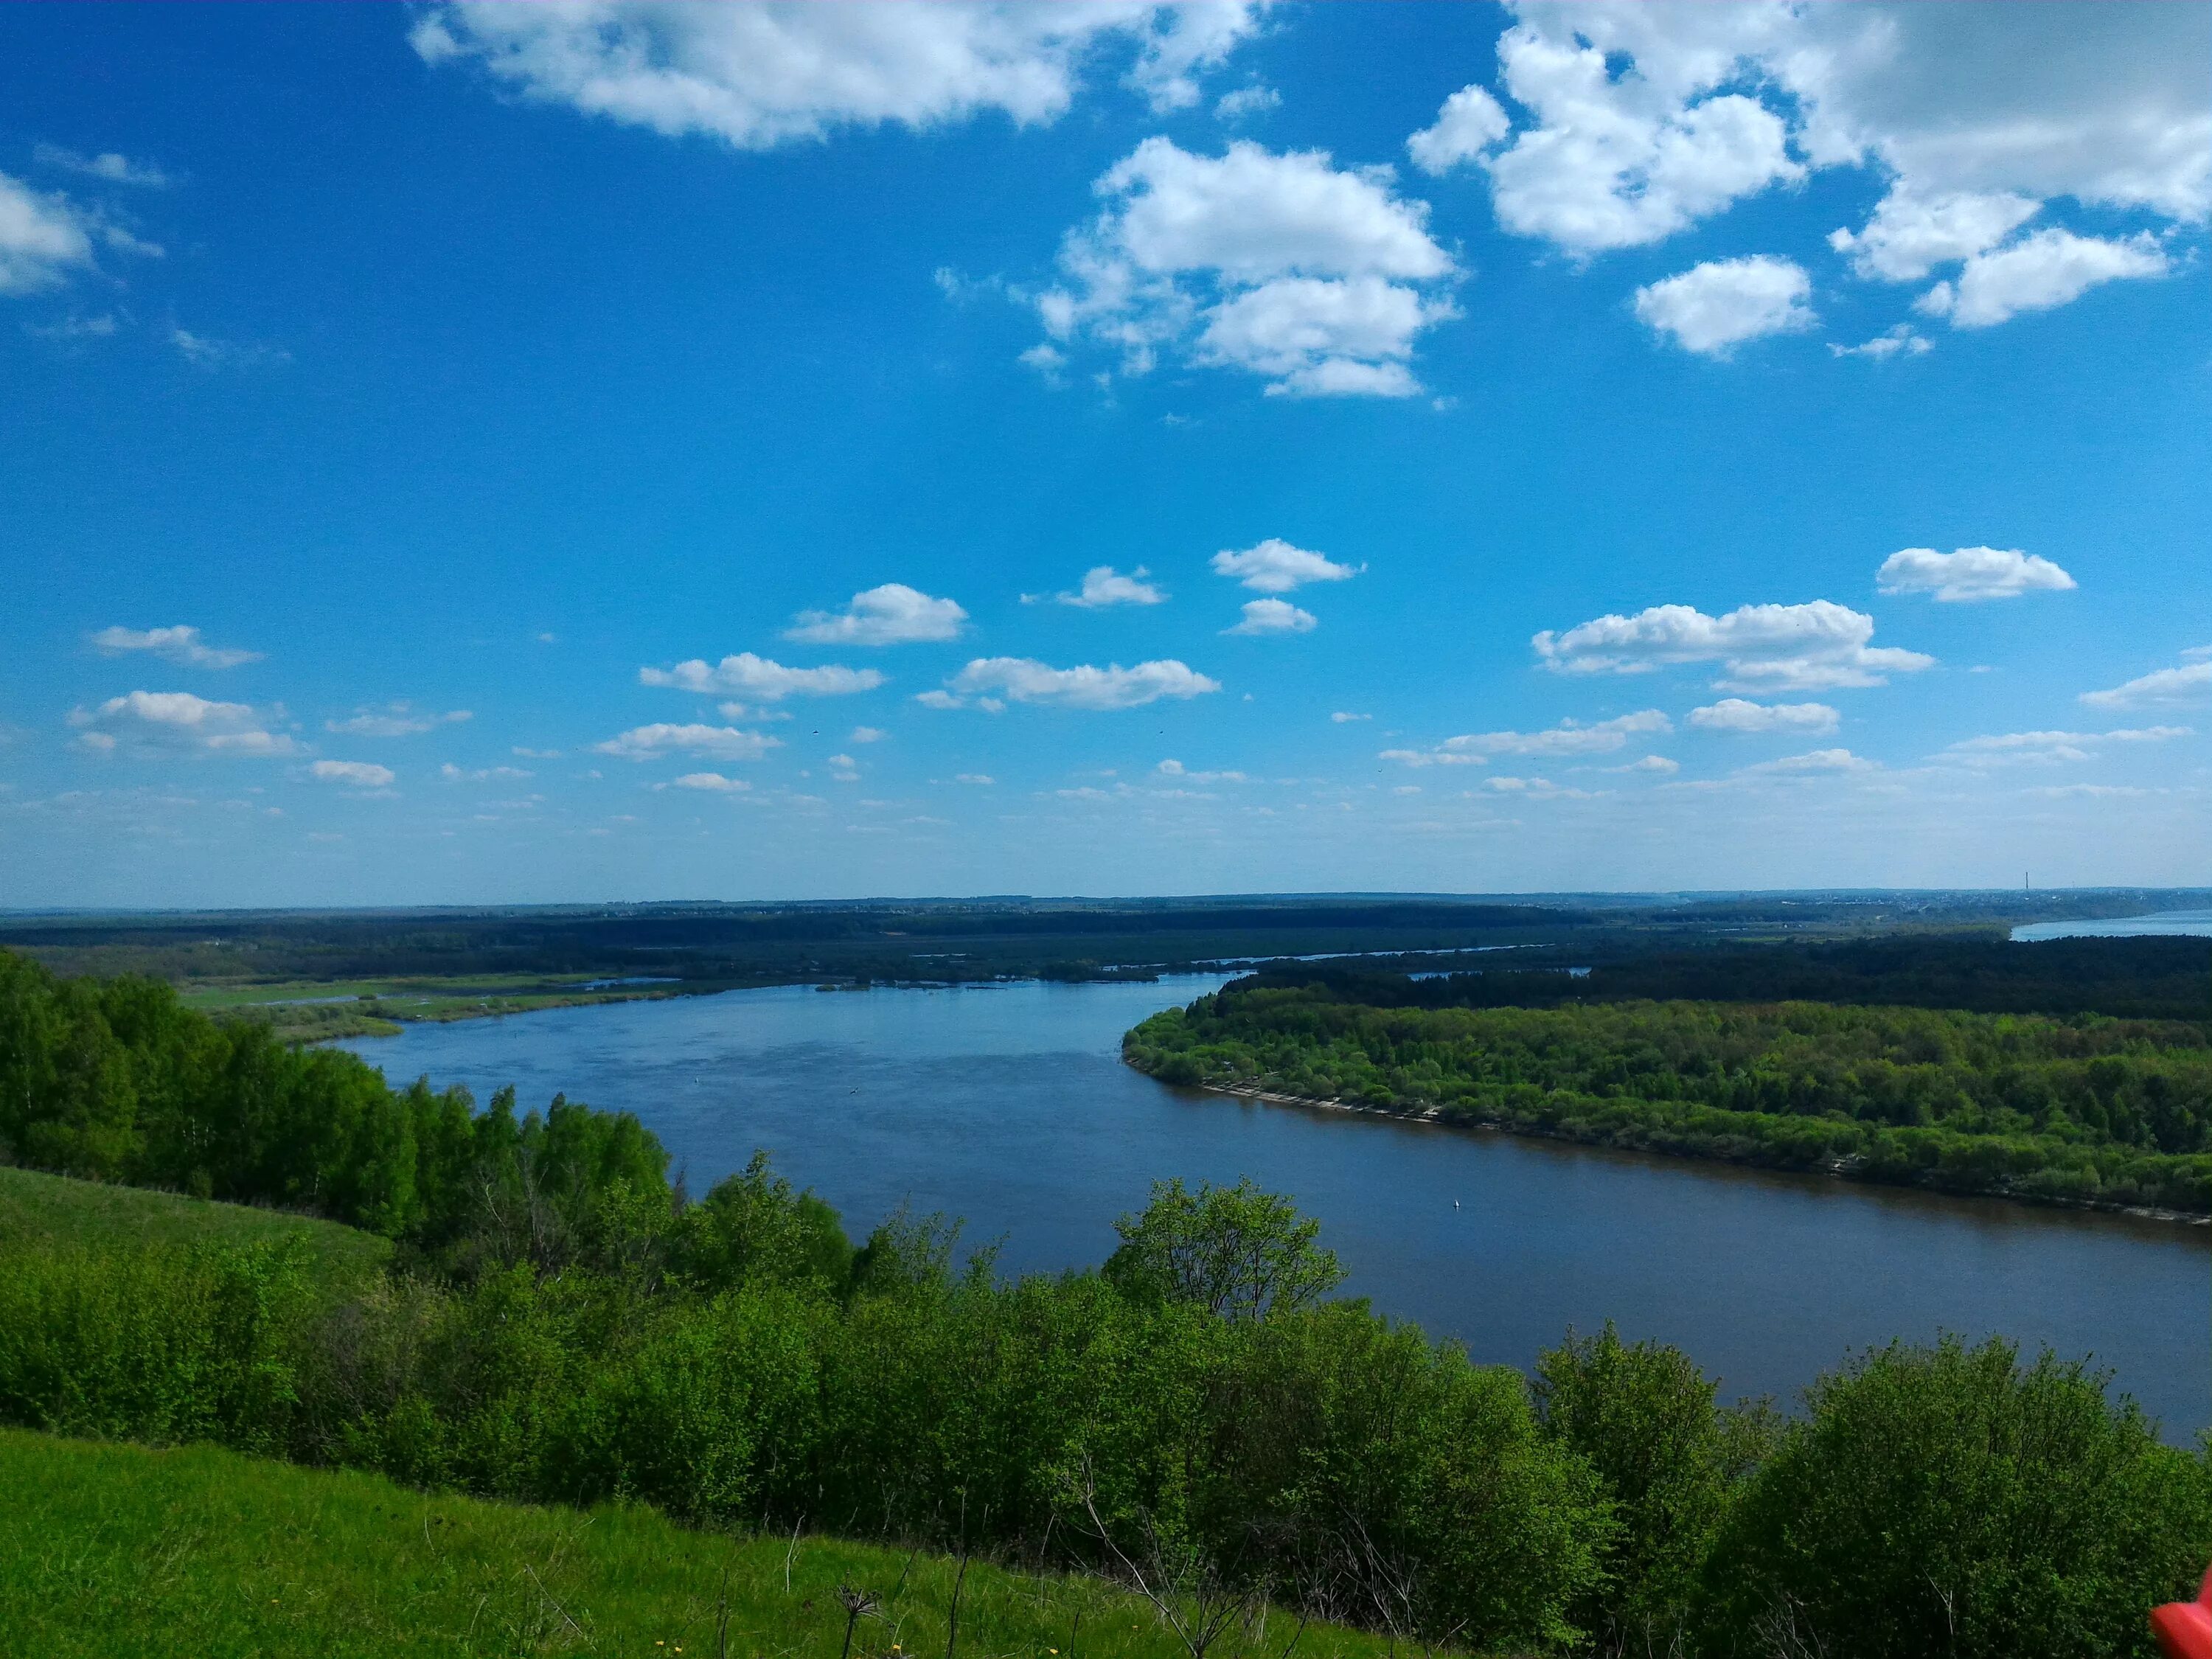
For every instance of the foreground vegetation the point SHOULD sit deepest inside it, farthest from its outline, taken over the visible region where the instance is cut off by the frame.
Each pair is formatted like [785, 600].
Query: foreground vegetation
[1199, 1419]
[2085, 1109]
[116, 1551]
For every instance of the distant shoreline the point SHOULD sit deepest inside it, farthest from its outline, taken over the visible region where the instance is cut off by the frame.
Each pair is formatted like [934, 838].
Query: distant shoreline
[1839, 1170]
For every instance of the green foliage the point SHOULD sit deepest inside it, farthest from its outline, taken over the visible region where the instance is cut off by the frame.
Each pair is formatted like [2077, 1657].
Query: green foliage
[2083, 1109]
[753, 1227]
[117, 1553]
[1237, 1252]
[1671, 1460]
[1949, 1501]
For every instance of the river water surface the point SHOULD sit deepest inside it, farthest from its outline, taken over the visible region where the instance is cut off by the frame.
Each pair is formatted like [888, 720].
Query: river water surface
[1008, 1105]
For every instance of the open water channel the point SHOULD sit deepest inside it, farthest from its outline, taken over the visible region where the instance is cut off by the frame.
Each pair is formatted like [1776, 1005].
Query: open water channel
[1008, 1105]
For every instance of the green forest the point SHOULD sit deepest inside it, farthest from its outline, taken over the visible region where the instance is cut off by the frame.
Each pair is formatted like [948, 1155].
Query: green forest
[1202, 1419]
[2086, 1107]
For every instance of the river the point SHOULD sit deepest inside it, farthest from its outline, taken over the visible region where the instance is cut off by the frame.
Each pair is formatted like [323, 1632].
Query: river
[1008, 1105]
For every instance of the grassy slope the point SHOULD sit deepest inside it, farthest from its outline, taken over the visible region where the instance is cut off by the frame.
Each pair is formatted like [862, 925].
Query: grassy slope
[120, 1551]
[57, 1209]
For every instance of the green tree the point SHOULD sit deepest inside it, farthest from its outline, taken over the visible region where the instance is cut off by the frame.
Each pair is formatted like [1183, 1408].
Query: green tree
[1949, 1501]
[1237, 1252]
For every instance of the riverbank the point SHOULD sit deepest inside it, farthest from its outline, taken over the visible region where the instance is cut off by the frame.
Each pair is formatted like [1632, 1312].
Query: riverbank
[1842, 1169]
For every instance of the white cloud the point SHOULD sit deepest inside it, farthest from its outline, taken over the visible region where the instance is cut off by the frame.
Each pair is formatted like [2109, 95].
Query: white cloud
[1283, 264]
[1649, 763]
[153, 720]
[868, 735]
[714, 782]
[1246, 102]
[759, 75]
[1735, 715]
[1971, 573]
[2050, 267]
[1890, 342]
[644, 743]
[1770, 648]
[1103, 585]
[454, 774]
[362, 775]
[1638, 120]
[396, 720]
[1343, 717]
[43, 238]
[179, 645]
[1910, 235]
[1716, 306]
[1819, 760]
[1569, 736]
[758, 677]
[981, 780]
[1614, 159]
[2165, 685]
[1469, 122]
[2050, 748]
[1273, 566]
[1274, 617]
[1536, 789]
[1176, 768]
[207, 352]
[1020, 679]
[893, 614]
[108, 166]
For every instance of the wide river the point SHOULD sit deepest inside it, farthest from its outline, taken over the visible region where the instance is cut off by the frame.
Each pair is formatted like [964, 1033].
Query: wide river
[1008, 1105]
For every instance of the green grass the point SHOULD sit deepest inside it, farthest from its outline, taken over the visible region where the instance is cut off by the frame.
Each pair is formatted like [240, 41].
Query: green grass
[37, 1208]
[318, 1010]
[119, 1551]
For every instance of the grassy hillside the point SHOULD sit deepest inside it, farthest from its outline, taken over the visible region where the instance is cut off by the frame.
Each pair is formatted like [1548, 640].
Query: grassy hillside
[37, 1208]
[120, 1551]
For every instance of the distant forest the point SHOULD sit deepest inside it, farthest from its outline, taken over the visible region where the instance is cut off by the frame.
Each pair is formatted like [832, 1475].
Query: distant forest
[2074, 1071]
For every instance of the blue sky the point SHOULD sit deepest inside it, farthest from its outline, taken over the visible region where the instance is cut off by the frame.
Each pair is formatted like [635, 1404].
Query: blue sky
[621, 452]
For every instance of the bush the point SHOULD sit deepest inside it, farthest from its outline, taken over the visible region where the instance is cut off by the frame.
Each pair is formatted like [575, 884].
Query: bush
[1948, 1500]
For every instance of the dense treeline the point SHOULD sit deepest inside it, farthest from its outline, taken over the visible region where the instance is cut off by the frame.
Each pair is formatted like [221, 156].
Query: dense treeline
[1198, 1415]
[2086, 1109]
[2140, 978]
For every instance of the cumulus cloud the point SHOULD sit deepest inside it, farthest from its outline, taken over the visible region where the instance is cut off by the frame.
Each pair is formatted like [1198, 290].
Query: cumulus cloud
[1246, 102]
[108, 166]
[759, 678]
[157, 720]
[2050, 748]
[714, 782]
[1274, 617]
[177, 645]
[1021, 679]
[44, 240]
[395, 719]
[1634, 121]
[454, 774]
[1736, 714]
[1910, 235]
[1649, 763]
[205, 351]
[1284, 266]
[2049, 268]
[1901, 340]
[868, 735]
[644, 743]
[1569, 736]
[1761, 647]
[760, 76]
[1103, 585]
[1971, 573]
[1612, 161]
[1273, 566]
[362, 775]
[1818, 761]
[1176, 768]
[893, 614]
[1345, 717]
[2189, 684]
[980, 780]
[1716, 306]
